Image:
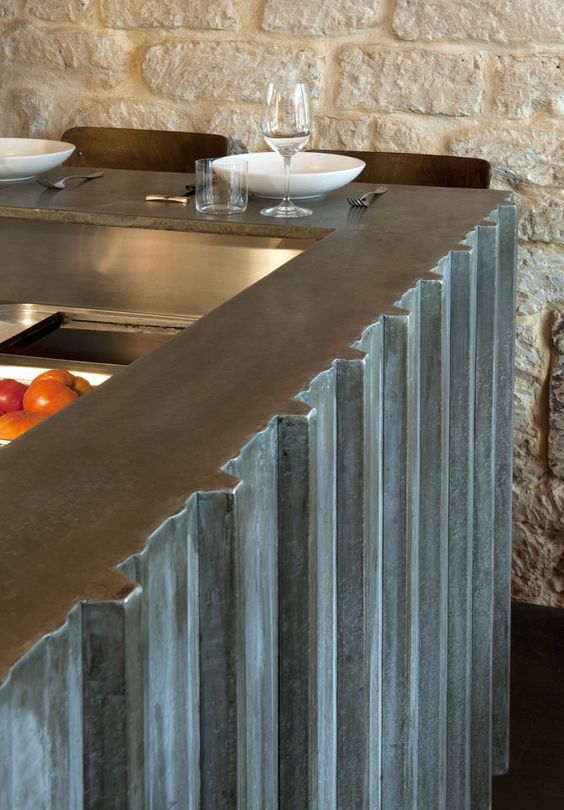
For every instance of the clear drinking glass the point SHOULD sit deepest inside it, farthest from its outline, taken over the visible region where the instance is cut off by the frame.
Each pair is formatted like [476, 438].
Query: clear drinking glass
[221, 185]
[286, 128]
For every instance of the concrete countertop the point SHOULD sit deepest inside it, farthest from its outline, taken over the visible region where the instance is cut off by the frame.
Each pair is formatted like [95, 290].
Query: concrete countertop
[118, 198]
[84, 490]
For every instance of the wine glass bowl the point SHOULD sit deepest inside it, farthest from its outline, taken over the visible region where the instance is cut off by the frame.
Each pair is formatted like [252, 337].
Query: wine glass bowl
[286, 128]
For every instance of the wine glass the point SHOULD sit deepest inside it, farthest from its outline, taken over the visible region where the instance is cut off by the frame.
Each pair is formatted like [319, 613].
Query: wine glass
[286, 128]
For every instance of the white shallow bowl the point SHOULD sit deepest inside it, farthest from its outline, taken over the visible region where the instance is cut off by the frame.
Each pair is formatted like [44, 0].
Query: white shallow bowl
[26, 158]
[311, 173]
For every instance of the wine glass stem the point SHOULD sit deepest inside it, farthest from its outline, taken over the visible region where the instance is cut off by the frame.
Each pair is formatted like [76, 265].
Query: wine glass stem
[287, 161]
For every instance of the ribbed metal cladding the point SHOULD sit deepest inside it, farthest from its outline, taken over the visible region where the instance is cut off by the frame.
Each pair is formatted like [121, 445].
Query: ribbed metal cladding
[41, 724]
[333, 632]
[506, 219]
[460, 299]
[484, 243]
[388, 669]
[256, 527]
[322, 398]
[427, 487]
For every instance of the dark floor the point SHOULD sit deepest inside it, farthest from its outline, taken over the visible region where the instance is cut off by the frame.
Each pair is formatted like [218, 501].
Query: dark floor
[536, 775]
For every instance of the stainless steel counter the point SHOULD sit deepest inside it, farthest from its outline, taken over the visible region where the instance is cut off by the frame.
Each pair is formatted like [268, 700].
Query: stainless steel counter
[260, 566]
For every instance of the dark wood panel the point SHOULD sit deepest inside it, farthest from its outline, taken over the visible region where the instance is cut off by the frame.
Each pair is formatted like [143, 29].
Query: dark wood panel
[142, 149]
[421, 170]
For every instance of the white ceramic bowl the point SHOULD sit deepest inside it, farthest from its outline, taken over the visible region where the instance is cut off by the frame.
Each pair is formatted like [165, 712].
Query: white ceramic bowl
[312, 173]
[25, 158]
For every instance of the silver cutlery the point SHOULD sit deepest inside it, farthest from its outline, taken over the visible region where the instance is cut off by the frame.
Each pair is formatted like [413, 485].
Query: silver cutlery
[366, 199]
[58, 184]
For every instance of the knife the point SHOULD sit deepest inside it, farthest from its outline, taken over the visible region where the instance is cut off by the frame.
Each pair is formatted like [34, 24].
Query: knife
[180, 198]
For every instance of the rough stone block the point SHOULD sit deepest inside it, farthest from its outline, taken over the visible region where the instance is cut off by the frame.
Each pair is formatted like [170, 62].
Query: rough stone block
[531, 155]
[531, 366]
[124, 112]
[399, 135]
[66, 48]
[11, 119]
[541, 215]
[28, 44]
[48, 113]
[528, 84]
[540, 280]
[424, 81]
[528, 468]
[221, 14]
[235, 71]
[556, 401]
[488, 20]
[240, 125]
[7, 8]
[35, 110]
[538, 566]
[541, 506]
[59, 10]
[341, 133]
[80, 49]
[317, 17]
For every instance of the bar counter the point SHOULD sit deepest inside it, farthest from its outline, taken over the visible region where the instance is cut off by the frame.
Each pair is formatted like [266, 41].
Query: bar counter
[267, 564]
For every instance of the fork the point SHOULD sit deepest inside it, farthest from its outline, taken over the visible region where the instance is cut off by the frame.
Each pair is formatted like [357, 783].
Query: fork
[58, 184]
[364, 201]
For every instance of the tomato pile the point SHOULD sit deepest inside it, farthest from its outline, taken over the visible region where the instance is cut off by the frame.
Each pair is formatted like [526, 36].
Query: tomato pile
[24, 406]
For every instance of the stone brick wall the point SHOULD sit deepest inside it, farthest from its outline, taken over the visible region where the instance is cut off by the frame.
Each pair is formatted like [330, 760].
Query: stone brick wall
[473, 77]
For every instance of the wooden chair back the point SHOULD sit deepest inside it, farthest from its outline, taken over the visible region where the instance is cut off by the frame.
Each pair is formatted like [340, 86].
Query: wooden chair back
[421, 170]
[144, 149]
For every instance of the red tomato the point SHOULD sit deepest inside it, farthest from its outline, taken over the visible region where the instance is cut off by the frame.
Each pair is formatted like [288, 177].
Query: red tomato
[59, 374]
[15, 423]
[11, 395]
[80, 385]
[47, 396]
